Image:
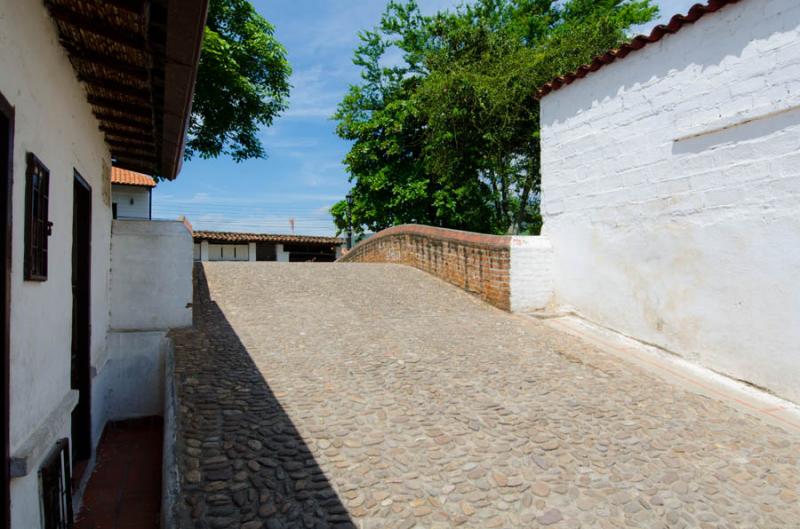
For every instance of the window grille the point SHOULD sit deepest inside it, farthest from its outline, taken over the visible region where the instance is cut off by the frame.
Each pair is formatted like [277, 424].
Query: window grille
[37, 223]
[56, 486]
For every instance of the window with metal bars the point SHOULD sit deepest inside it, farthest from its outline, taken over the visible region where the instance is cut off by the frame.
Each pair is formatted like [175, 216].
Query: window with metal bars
[54, 477]
[37, 223]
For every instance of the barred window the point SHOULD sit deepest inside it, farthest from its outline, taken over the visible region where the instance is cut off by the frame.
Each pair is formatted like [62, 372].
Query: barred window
[56, 488]
[37, 223]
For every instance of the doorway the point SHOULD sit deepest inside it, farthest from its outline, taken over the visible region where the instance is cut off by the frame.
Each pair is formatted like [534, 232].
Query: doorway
[81, 375]
[6, 165]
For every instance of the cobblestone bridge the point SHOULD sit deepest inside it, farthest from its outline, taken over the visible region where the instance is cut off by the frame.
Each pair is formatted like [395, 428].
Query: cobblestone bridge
[375, 396]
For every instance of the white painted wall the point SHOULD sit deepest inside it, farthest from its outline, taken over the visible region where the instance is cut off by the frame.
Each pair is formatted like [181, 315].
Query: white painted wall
[151, 275]
[133, 202]
[670, 184]
[54, 121]
[531, 274]
[151, 292]
[281, 255]
[228, 252]
[131, 381]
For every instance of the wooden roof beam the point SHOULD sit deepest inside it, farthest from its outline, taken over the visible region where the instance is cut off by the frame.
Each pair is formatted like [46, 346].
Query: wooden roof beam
[134, 109]
[113, 86]
[127, 155]
[106, 61]
[131, 144]
[132, 6]
[133, 164]
[117, 34]
[119, 120]
[126, 134]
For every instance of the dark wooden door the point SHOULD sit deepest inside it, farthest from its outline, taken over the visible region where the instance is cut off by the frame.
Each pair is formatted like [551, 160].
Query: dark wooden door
[265, 251]
[81, 319]
[6, 165]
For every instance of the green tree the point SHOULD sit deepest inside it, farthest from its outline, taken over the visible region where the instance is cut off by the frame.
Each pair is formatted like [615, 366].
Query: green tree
[450, 135]
[242, 83]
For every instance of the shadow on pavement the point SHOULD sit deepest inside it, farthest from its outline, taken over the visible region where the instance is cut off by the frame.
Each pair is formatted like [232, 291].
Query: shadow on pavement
[242, 461]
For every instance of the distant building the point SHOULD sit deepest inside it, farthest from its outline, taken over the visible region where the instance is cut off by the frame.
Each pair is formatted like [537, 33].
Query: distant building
[232, 246]
[131, 194]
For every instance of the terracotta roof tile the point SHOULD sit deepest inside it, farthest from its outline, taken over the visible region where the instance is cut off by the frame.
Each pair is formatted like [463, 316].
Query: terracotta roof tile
[131, 178]
[227, 236]
[675, 24]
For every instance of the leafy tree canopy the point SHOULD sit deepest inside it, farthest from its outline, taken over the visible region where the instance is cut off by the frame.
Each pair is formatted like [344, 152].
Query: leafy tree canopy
[242, 83]
[444, 125]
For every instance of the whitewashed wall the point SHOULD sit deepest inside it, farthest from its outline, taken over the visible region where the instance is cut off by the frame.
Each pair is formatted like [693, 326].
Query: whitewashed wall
[228, 252]
[133, 202]
[151, 275]
[281, 255]
[54, 121]
[531, 274]
[671, 193]
[151, 293]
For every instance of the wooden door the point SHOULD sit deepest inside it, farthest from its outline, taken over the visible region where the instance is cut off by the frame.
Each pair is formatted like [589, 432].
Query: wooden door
[6, 167]
[81, 378]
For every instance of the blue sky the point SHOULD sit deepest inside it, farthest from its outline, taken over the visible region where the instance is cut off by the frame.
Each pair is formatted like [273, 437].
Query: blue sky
[303, 174]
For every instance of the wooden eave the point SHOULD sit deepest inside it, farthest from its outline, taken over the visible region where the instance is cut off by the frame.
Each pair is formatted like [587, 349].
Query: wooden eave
[138, 60]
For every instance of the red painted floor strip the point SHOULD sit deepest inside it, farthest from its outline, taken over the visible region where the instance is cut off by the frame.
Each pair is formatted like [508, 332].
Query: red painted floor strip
[124, 491]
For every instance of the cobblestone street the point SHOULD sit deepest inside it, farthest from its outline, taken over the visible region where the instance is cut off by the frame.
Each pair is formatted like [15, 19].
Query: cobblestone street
[375, 396]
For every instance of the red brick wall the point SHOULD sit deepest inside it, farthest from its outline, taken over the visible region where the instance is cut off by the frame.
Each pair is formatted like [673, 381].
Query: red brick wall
[478, 263]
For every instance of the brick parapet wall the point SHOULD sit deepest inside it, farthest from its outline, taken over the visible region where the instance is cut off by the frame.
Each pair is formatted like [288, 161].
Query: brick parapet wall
[478, 263]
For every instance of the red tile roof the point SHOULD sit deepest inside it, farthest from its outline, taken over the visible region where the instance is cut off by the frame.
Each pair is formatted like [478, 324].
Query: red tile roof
[131, 178]
[227, 236]
[677, 22]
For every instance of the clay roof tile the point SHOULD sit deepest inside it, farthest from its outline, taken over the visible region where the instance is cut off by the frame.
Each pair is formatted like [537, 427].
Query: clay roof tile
[675, 24]
[131, 178]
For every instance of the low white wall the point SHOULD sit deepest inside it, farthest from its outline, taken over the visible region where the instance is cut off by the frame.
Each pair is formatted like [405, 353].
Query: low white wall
[131, 382]
[151, 275]
[531, 274]
[670, 184]
[151, 293]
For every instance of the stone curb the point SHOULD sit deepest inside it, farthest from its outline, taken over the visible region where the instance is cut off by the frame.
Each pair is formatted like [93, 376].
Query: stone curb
[170, 473]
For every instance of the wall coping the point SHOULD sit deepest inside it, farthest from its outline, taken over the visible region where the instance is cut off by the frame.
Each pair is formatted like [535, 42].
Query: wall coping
[24, 460]
[468, 238]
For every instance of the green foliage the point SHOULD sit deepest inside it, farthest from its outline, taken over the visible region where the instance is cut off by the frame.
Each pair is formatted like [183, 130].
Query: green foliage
[449, 135]
[242, 83]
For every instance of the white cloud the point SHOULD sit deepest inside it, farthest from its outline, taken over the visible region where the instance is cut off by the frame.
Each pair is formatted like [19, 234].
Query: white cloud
[315, 92]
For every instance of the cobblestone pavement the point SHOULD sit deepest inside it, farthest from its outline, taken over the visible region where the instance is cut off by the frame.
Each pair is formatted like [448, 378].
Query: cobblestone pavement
[375, 396]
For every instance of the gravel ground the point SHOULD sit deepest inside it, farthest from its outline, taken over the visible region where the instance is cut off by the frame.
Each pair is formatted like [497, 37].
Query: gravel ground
[376, 396]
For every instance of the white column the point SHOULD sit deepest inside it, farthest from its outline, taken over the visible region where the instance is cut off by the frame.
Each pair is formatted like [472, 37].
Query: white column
[251, 250]
[280, 255]
[204, 250]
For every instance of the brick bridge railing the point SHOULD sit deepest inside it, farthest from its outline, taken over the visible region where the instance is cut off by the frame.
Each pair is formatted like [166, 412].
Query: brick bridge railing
[512, 273]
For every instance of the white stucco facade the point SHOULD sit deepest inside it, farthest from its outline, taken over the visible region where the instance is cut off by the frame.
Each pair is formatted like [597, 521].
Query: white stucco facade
[53, 121]
[670, 184]
[132, 202]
